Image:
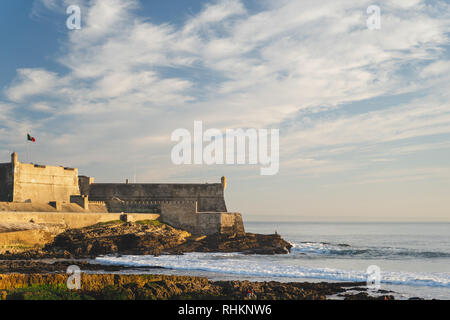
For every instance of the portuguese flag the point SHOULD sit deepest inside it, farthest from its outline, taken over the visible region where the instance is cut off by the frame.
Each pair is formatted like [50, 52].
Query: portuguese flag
[30, 138]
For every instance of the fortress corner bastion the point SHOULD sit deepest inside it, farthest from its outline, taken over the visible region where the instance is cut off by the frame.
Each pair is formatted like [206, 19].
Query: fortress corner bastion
[53, 192]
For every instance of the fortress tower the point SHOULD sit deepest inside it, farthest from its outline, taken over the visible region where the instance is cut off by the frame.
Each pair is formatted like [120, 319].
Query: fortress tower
[25, 182]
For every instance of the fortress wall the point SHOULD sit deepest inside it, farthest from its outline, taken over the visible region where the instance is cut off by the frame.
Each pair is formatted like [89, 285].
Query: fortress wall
[220, 222]
[180, 214]
[80, 200]
[44, 194]
[210, 197]
[70, 219]
[84, 183]
[231, 223]
[208, 222]
[44, 183]
[6, 182]
[143, 206]
[46, 207]
[212, 204]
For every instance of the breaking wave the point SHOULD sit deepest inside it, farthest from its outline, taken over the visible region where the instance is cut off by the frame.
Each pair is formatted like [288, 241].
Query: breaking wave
[238, 264]
[342, 250]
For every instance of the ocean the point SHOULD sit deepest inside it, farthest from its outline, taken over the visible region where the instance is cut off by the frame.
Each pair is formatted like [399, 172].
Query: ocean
[414, 258]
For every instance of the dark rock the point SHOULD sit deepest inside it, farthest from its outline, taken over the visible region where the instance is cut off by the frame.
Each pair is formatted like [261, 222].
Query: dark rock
[148, 239]
[366, 296]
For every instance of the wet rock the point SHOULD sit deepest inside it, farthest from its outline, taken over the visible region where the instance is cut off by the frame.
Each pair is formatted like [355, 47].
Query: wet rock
[366, 296]
[152, 238]
[118, 237]
[128, 287]
[249, 243]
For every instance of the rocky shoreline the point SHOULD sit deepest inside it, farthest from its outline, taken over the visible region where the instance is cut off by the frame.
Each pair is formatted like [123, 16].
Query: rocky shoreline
[151, 287]
[149, 237]
[41, 273]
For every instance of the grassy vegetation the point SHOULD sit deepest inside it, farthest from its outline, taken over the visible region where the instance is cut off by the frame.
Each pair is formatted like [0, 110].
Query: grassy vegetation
[46, 292]
[154, 223]
[107, 223]
[20, 246]
[131, 291]
[60, 292]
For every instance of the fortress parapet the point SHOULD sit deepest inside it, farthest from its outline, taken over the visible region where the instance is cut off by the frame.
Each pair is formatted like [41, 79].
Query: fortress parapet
[209, 196]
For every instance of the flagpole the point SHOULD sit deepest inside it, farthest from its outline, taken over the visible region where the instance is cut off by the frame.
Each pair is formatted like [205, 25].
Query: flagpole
[28, 147]
[28, 152]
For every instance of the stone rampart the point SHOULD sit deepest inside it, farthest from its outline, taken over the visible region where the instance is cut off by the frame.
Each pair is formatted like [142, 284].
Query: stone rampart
[70, 219]
[210, 197]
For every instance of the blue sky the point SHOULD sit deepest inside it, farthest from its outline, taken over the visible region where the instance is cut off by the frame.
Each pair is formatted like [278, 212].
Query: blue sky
[364, 115]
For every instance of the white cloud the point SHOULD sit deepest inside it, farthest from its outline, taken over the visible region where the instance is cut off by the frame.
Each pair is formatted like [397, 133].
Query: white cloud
[438, 68]
[405, 175]
[131, 78]
[376, 127]
[42, 107]
[31, 82]
[213, 14]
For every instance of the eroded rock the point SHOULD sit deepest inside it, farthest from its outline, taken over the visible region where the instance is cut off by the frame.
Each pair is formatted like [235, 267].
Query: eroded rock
[148, 238]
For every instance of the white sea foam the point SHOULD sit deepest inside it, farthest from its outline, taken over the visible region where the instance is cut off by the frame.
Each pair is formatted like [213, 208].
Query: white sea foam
[342, 250]
[238, 264]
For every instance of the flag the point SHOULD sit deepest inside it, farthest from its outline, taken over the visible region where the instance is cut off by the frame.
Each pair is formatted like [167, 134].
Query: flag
[30, 138]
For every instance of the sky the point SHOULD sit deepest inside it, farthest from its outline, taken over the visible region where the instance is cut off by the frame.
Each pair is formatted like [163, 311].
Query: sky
[363, 115]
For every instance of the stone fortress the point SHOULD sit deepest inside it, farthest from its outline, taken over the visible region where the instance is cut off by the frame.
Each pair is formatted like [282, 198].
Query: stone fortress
[52, 194]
